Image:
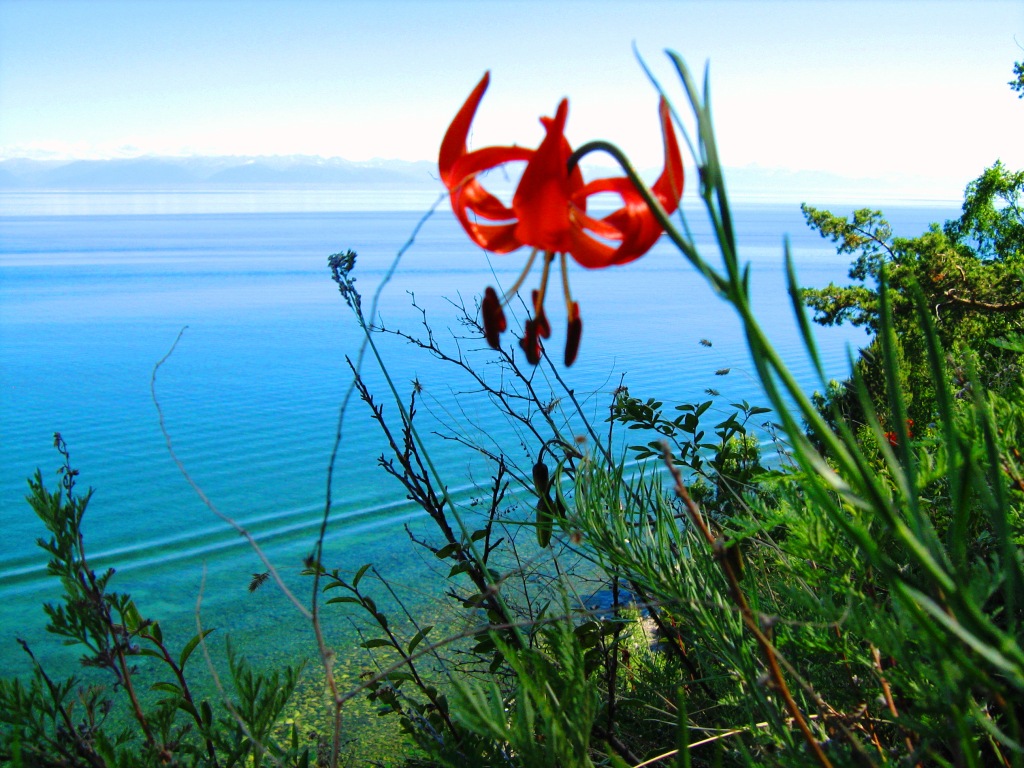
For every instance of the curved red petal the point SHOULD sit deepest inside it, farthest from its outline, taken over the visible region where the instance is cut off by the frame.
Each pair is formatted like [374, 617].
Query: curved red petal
[541, 201]
[634, 221]
[470, 199]
[589, 252]
[453, 146]
[638, 229]
[469, 193]
[669, 186]
[600, 227]
[496, 238]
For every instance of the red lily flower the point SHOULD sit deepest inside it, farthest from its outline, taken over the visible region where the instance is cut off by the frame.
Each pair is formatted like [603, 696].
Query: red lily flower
[894, 440]
[549, 213]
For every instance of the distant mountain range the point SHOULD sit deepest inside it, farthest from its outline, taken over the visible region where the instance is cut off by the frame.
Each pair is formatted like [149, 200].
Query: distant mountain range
[301, 171]
[204, 172]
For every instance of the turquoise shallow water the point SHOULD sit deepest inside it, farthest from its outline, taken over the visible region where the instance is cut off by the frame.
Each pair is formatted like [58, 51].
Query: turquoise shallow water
[90, 302]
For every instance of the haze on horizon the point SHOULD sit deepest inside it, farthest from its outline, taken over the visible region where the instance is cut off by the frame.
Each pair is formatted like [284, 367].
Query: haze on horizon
[911, 90]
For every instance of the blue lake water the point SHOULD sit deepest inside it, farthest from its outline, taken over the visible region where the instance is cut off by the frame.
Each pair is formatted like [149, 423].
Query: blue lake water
[94, 292]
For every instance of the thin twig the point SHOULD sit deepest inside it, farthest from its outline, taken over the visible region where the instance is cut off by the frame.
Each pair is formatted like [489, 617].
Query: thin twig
[242, 531]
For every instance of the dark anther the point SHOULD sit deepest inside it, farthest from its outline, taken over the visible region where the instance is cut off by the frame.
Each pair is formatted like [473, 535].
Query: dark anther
[531, 343]
[573, 334]
[493, 316]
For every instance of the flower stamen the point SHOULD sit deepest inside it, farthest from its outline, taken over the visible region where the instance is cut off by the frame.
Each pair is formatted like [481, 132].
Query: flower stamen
[543, 327]
[565, 279]
[574, 329]
[519, 281]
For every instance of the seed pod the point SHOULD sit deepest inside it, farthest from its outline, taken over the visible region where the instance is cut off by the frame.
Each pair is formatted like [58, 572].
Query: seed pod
[541, 479]
[545, 523]
[545, 507]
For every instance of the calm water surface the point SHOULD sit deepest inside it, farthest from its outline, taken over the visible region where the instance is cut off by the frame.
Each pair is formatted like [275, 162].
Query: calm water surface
[93, 295]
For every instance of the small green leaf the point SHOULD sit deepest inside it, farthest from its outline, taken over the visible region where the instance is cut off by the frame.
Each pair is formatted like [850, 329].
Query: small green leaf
[418, 637]
[170, 688]
[132, 619]
[486, 645]
[191, 646]
[359, 575]
[448, 550]
[377, 642]
[345, 599]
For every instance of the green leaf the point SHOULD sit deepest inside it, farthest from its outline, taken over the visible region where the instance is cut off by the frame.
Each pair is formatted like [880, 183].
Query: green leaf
[359, 575]
[418, 637]
[170, 688]
[345, 599]
[377, 642]
[187, 706]
[191, 646]
[132, 619]
[448, 550]
[486, 645]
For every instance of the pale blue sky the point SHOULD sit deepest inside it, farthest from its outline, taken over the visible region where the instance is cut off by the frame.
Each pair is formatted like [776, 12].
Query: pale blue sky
[912, 88]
